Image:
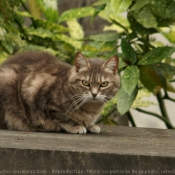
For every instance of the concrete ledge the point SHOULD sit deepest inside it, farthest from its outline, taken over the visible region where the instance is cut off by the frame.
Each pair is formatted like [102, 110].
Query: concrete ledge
[116, 150]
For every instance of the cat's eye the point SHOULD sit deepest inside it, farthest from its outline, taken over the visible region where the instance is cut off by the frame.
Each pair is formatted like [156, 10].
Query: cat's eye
[104, 84]
[85, 83]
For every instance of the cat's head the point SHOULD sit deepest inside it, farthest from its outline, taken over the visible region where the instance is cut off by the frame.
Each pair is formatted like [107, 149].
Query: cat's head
[95, 79]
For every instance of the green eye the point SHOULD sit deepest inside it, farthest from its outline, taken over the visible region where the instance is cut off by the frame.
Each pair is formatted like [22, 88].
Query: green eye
[104, 84]
[85, 83]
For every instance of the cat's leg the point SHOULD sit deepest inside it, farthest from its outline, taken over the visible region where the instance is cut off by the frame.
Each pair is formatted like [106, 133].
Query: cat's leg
[68, 125]
[16, 122]
[70, 128]
[94, 129]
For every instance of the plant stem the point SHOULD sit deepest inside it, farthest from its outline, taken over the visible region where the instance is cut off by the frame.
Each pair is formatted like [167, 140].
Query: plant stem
[114, 122]
[119, 24]
[166, 97]
[21, 29]
[171, 99]
[104, 117]
[24, 6]
[158, 116]
[172, 80]
[131, 119]
[162, 108]
[3, 12]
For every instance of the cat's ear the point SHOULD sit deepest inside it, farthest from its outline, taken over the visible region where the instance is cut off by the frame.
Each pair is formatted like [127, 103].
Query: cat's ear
[80, 61]
[111, 65]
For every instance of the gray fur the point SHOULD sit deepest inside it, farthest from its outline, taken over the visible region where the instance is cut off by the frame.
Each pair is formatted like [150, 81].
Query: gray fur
[40, 93]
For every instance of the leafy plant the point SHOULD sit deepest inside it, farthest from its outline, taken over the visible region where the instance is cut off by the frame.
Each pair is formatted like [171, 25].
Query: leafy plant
[146, 65]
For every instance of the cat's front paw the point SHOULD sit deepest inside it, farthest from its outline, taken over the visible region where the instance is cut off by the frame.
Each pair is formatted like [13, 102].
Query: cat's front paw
[94, 129]
[78, 130]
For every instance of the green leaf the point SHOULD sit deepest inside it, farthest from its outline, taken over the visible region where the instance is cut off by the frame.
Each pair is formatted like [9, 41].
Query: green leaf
[14, 39]
[42, 48]
[170, 35]
[130, 79]
[7, 9]
[98, 9]
[163, 8]
[3, 56]
[139, 4]
[139, 102]
[150, 79]
[169, 87]
[137, 27]
[158, 7]
[89, 48]
[167, 68]
[156, 55]
[121, 63]
[2, 33]
[125, 101]
[146, 18]
[128, 51]
[39, 48]
[7, 47]
[24, 13]
[49, 8]
[116, 25]
[109, 47]
[75, 31]
[76, 13]
[109, 106]
[120, 5]
[162, 70]
[170, 10]
[107, 12]
[34, 9]
[154, 80]
[68, 40]
[54, 27]
[100, 2]
[105, 37]
[41, 32]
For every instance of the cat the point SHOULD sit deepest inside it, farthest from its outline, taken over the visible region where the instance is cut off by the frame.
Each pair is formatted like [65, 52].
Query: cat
[38, 92]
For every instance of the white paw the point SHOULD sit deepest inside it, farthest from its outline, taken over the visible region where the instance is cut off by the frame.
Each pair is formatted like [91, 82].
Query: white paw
[94, 129]
[78, 130]
[81, 130]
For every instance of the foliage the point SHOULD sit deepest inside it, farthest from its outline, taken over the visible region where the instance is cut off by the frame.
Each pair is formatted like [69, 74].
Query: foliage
[145, 64]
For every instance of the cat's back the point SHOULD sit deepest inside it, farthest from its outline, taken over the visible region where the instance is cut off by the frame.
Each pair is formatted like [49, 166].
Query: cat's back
[33, 69]
[35, 61]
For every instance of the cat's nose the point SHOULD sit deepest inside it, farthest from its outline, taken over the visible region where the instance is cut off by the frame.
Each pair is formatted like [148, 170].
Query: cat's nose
[94, 95]
[94, 91]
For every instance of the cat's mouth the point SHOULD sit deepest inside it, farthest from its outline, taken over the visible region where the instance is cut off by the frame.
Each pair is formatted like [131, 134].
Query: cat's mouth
[94, 98]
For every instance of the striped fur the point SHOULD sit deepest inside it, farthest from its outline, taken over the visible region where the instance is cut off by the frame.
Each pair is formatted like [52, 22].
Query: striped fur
[40, 93]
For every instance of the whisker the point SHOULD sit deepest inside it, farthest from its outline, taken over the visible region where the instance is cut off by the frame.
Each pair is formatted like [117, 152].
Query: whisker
[73, 104]
[105, 101]
[73, 109]
[72, 97]
[101, 100]
[78, 95]
[109, 96]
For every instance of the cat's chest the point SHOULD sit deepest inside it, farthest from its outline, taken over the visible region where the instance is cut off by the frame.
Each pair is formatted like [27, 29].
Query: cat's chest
[87, 114]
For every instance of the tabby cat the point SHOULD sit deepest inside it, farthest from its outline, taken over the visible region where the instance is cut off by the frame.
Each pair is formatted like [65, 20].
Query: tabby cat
[38, 92]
